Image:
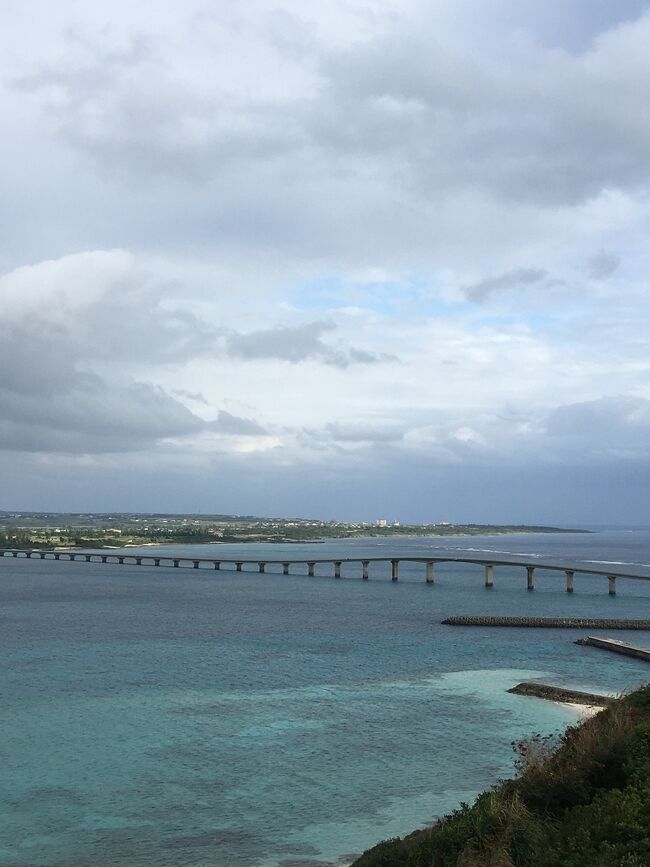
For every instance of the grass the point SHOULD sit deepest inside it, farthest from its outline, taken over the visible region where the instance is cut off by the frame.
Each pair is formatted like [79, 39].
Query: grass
[581, 800]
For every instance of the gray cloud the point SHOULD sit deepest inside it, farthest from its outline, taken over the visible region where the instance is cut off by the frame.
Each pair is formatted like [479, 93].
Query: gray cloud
[195, 396]
[602, 264]
[609, 426]
[392, 107]
[514, 279]
[361, 433]
[88, 415]
[51, 397]
[295, 344]
[227, 423]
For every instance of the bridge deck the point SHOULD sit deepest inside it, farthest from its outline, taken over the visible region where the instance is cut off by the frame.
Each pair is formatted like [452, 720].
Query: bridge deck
[113, 555]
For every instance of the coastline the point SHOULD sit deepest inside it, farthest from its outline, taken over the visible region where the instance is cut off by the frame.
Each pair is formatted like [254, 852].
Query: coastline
[319, 540]
[583, 711]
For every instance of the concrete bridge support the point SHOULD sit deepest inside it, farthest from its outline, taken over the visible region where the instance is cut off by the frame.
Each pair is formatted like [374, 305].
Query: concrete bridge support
[138, 561]
[120, 560]
[365, 564]
[569, 580]
[285, 568]
[216, 564]
[176, 562]
[430, 572]
[394, 570]
[104, 558]
[196, 563]
[612, 585]
[530, 577]
[489, 575]
[88, 558]
[311, 569]
[156, 561]
[238, 567]
[261, 566]
[337, 568]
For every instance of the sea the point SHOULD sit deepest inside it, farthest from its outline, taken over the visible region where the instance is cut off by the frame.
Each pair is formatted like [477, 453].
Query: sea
[165, 717]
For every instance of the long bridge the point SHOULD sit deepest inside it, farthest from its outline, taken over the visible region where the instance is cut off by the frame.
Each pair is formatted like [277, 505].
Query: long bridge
[429, 563]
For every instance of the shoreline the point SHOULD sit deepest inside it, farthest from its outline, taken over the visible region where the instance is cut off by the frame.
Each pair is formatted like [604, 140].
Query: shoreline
[463, 531]
[319, 540]
[584, 711]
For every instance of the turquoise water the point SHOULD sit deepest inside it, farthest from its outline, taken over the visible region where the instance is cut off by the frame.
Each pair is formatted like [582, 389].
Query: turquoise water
[192, 717]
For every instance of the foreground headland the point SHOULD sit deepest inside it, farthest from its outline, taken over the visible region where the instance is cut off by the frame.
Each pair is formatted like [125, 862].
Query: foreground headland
[582, 801]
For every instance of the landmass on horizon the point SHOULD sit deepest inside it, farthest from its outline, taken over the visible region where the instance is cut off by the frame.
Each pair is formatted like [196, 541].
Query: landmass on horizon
[18, 529]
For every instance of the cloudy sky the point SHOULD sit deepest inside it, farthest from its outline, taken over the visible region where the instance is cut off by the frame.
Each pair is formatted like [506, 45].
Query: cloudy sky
[344, 258]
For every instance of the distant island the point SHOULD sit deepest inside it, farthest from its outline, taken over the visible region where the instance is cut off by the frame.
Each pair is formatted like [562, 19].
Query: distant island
[120, 529]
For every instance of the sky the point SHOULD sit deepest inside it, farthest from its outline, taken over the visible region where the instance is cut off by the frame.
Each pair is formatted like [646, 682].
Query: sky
[346, 259]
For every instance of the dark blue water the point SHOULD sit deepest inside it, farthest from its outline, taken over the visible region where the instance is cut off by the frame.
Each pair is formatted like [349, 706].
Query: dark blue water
[191, 717]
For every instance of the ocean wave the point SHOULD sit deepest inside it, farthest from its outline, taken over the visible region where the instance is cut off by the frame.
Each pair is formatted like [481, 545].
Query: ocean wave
[497, 551]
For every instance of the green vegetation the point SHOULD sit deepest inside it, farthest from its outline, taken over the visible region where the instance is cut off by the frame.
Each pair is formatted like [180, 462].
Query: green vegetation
[43, 530]
[582, 802]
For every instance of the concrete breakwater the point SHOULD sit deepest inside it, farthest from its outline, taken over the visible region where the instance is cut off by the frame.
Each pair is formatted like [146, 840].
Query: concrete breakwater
[549, 622]
[617, 647]
[558, 693]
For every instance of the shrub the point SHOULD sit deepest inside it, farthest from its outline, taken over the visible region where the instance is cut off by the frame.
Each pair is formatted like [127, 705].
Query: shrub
[581, 802]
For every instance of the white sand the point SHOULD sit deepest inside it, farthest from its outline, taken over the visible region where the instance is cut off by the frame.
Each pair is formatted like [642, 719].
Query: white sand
[584, 711]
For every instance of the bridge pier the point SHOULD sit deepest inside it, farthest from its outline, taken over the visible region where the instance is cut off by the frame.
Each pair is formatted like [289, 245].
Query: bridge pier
[148, 559]
[530, 575]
